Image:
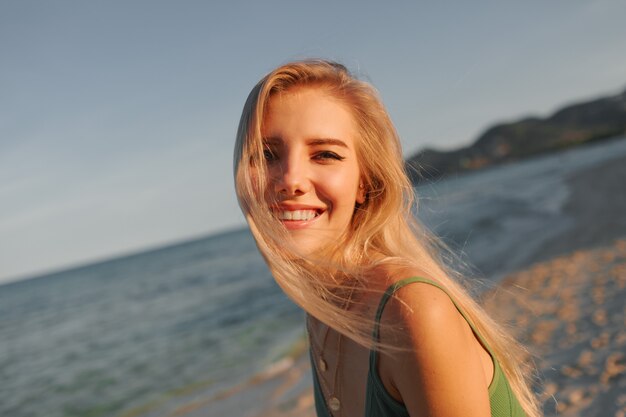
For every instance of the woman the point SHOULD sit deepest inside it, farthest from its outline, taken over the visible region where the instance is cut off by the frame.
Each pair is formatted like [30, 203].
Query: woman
[320, 177]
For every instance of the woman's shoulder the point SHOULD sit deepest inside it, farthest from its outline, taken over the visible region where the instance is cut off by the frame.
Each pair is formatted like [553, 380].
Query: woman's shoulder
[437, 347]
[409, 287]
[411, 299]
[418, 300]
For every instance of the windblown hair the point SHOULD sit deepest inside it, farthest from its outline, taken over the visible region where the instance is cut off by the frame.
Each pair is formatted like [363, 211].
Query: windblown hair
[383, 230]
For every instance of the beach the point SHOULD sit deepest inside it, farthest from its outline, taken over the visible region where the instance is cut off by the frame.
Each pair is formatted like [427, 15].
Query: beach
[567, 305]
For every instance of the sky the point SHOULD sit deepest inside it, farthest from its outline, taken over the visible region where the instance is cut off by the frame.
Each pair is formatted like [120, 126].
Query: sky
[117, 118]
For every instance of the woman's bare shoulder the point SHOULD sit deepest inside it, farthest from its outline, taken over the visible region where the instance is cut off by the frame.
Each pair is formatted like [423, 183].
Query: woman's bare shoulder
[438, 356]
[420, 306]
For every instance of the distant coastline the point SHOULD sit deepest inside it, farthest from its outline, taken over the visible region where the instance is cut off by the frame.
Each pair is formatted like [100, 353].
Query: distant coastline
[573, 125]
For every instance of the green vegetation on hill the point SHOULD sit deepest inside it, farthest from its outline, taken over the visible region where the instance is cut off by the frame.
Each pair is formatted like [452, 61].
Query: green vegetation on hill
[573, 125]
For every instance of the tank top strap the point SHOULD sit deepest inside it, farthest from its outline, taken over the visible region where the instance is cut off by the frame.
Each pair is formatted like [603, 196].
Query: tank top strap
[395, 287]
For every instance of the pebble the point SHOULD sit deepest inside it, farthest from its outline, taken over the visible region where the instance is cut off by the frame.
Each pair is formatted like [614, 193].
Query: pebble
[599, 317]
[576, 396]
[600, 341]
[585, 358]
[615, 366]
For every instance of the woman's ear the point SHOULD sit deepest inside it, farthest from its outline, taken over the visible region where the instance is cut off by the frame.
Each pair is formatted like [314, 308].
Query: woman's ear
[360, 194]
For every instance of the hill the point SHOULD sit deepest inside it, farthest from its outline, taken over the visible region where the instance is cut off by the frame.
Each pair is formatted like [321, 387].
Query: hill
[573, 125]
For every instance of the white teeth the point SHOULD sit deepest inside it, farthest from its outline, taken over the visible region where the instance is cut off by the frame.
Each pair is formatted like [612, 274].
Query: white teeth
[297, 214]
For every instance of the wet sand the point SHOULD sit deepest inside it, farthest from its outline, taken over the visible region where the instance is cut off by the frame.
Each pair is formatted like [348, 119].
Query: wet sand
[568, 306]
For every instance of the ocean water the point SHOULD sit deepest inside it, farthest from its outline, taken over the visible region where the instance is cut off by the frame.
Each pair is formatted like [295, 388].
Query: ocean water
[137, 336]
[128, 336]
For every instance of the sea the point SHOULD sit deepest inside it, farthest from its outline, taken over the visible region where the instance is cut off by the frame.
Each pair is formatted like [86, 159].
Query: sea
[139, 335]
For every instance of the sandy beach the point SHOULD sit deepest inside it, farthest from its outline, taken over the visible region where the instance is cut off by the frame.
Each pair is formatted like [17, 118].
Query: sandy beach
[570, 312]
[567, 306]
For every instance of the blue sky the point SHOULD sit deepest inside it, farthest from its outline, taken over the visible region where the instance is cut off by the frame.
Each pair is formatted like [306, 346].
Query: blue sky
[117, 119]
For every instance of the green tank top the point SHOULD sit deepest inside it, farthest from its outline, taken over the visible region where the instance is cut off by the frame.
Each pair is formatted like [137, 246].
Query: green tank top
[379, 403]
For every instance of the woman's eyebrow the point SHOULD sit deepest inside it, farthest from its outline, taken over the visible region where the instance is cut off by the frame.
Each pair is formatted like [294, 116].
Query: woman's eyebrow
[271, 141]
[326, 141]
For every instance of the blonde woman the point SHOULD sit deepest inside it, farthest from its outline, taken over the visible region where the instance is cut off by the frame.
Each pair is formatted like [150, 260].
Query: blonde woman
[321, 180]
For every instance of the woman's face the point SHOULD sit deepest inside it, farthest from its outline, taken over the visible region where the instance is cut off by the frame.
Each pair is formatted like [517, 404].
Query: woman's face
[314, 177]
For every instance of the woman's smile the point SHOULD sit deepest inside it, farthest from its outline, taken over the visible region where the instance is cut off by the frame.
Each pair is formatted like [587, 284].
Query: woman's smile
[297, 217]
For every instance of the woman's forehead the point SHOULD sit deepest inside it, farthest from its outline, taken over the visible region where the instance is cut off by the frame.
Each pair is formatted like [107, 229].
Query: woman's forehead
[310, 113]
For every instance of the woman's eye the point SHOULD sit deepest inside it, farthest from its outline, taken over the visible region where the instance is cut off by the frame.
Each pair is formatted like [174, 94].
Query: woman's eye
[328, 155]
[269, 155]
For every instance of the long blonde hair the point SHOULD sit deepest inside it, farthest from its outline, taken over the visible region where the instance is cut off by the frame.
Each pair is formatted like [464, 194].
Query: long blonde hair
[383, 229]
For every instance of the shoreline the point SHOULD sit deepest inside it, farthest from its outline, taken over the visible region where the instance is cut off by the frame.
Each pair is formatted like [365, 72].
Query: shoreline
[596, 205]
[283, 389]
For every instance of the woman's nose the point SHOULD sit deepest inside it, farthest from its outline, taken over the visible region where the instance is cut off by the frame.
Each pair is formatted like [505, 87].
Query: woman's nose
[291, 178]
